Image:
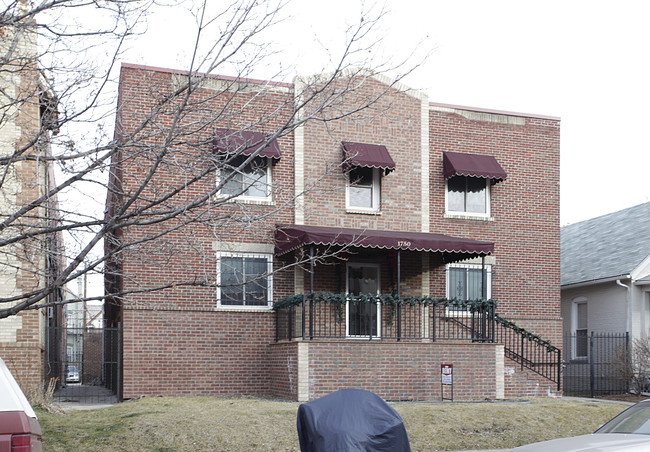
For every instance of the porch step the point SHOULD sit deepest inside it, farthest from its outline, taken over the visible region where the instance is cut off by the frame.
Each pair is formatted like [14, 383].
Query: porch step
[526, 383]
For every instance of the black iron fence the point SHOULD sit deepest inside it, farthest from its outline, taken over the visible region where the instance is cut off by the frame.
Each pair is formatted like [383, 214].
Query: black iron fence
[374, 317]
[86, 367]
[593, 363]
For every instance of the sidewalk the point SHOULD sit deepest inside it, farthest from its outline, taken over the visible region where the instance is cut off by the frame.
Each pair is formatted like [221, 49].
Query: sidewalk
[84, 397]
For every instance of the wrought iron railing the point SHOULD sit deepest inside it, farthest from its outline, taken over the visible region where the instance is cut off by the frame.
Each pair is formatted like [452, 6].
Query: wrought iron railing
[373, 317]
[529, 350]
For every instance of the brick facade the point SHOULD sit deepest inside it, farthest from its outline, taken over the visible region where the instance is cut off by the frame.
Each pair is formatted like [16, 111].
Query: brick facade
[180, 341]
[24, 266]
[525, 208]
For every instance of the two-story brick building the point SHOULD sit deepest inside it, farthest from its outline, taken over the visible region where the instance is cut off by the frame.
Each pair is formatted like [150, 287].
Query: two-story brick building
[330, 258]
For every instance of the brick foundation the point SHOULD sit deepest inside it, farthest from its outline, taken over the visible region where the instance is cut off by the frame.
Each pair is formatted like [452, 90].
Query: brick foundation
[395, 371]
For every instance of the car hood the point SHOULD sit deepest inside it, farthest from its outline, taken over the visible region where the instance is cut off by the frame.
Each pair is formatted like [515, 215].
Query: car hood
[599, 442]
[11, 396]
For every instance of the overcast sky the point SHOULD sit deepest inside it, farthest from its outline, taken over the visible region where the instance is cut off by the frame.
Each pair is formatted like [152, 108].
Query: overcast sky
[586, 62]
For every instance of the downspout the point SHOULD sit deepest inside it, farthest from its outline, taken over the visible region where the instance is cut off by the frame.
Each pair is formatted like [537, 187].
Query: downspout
[628, 302]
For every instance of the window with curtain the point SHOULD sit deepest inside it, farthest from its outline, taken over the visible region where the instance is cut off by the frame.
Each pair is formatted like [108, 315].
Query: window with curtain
[253, 181]
[363, 189]
[468, 195]
[465, 281]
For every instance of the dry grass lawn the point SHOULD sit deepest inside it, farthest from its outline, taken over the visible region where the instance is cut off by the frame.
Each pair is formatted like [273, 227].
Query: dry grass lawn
[214, 424]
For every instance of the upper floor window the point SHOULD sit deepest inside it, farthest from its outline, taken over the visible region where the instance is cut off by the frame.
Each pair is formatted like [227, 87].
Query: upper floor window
[364, 189]
[252, 181]
[365, 164]
[469, 179]
[468, 195]
[245, 279]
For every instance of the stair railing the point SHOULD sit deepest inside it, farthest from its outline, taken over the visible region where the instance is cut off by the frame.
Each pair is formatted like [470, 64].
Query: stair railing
[529, 350]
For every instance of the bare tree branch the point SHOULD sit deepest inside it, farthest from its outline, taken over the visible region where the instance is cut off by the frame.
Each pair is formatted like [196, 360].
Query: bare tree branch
[58, 84]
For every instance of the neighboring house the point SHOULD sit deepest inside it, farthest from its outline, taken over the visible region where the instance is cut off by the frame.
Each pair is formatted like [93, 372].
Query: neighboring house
[27, 120]
[606, 277]
[421, 200]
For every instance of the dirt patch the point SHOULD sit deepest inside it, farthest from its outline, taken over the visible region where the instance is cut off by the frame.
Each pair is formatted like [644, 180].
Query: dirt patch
[632, 398]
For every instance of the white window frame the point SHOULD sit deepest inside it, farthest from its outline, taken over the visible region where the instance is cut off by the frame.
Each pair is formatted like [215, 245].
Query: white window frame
[376, 193]
[244, 197]
[347, 304]
[575, 327]
[269, 281]
[488, 196]
[488, 281]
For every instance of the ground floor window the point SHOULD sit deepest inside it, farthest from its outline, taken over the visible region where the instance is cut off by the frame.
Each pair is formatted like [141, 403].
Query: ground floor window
[581, 339]
[465, 281]
[244, 279]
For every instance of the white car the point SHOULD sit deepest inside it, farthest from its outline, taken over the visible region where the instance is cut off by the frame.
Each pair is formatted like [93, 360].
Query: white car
[72, 374]
[627, 432]
[19, 427]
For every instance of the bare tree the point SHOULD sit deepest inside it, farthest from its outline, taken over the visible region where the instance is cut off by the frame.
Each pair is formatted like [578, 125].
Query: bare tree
[633, 365]
[57, 66]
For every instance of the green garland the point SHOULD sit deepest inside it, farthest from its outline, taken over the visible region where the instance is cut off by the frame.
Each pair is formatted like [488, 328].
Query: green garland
[525, 333]
[339, 300]
[384, 299]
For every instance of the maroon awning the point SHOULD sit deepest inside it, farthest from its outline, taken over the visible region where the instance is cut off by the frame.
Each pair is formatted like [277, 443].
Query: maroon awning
[367, 155]
[291, 237]
[244, 142]
[475, 165]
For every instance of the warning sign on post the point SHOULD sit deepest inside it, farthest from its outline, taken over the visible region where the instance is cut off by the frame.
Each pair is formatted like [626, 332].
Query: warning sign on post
[447, 374]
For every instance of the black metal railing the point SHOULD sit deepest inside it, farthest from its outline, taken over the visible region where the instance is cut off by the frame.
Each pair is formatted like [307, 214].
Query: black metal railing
[315, 316]
[529, 350]
[373, 317]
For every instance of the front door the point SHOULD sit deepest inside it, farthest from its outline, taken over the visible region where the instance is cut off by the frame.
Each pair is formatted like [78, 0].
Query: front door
[363, 319]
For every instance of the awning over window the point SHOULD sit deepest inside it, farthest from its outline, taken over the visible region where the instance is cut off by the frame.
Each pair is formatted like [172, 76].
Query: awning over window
[367, 155]
[245, 143]
[474, 165]
[291, 237]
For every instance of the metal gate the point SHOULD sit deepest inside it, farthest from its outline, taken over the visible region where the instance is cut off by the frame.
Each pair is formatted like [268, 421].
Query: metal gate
[590, 366]
[84, 364]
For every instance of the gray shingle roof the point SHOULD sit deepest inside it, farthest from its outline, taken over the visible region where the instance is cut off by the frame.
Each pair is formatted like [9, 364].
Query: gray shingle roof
[606, 246]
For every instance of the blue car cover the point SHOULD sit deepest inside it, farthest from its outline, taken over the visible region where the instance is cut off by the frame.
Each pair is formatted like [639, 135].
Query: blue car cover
[351, 420]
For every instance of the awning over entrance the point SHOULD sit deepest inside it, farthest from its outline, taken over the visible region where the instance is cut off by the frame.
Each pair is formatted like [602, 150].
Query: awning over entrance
[291, 237]
[245, 143]
[368, 156]
[474, 165]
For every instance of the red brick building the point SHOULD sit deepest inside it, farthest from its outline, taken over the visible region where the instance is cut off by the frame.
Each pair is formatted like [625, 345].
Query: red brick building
[379, 216]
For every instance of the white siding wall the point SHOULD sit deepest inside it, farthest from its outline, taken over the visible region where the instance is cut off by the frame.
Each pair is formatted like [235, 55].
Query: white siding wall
[607, 307]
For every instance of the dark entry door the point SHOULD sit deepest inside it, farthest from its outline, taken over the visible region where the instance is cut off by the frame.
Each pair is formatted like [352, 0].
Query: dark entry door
[363, 318]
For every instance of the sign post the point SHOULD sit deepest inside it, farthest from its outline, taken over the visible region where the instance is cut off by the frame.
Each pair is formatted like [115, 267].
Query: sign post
[447, 379]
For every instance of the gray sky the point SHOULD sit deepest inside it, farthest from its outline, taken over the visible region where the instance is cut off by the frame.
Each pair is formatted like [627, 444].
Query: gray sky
[583, 61]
